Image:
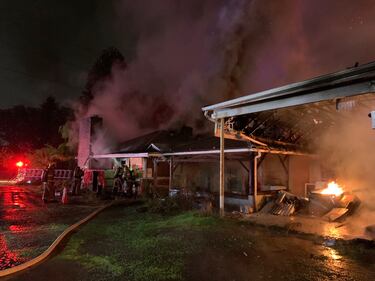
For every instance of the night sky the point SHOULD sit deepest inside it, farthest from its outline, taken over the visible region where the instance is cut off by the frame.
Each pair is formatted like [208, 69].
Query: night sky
[48, 46]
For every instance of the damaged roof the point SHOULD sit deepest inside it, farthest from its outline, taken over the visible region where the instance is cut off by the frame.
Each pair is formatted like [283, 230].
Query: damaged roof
[158, 141]
[349, 82]
[206, 143]
[169, 143]
[164, 141]
[183, 143]
[296, 113]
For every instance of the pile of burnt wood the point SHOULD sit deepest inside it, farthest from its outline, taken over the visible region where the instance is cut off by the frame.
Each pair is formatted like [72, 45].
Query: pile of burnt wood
[330, 207]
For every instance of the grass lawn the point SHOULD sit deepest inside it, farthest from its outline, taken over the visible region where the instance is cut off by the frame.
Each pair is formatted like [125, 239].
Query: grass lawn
[123, 244]
[140, 246]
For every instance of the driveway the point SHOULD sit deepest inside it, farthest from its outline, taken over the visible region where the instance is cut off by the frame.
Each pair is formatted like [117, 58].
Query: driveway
[28, 225]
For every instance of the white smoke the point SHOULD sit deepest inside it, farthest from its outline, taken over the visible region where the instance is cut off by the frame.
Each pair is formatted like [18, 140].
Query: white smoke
[347, 149]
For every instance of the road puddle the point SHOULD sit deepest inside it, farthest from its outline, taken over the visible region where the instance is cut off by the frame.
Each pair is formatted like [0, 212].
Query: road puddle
[19, 228]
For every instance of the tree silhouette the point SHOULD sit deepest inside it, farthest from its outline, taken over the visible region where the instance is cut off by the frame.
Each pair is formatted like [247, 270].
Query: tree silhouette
[40, 158]
[101, 69]
[23, 129]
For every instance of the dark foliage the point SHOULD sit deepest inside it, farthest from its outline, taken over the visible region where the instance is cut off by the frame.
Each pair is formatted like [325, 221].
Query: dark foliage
[170, 205]
[24, 129]
[101, 70]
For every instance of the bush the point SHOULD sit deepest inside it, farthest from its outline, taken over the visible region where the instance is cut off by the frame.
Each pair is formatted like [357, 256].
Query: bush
[170, 205]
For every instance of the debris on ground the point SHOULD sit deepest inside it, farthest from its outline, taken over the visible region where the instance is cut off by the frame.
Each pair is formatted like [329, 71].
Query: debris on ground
[335, 214]
[330, 207]
[285, 204]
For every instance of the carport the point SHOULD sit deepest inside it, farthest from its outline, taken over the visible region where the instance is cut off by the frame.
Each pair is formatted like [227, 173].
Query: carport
[293, 115]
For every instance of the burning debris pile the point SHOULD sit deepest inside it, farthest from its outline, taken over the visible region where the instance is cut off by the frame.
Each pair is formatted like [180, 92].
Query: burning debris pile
[331, 203]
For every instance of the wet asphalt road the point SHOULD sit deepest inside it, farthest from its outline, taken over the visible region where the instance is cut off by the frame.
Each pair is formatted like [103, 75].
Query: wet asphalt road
[28, 225]
[13, 198]
[18, 204]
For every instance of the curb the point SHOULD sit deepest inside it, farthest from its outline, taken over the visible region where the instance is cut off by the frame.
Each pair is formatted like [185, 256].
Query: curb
[49, 251]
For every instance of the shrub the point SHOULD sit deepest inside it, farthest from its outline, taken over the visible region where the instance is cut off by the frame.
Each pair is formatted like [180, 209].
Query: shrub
[170, 205]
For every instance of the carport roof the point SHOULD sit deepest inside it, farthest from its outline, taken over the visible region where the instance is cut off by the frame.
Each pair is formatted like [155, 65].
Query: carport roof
[168, 143]
[298, 113]
[349, 82]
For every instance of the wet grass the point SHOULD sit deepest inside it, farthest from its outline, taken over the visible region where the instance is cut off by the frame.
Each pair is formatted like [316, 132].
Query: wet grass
[29, 253]
[143, 246]
[123, 244]
[105, 263]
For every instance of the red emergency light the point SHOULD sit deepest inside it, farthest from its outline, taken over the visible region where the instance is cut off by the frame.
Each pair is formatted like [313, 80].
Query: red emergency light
[19, 164]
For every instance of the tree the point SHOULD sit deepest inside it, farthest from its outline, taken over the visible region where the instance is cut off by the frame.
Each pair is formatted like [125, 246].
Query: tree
[101, 69]
[40, 158]
[53, 116]
[23, 129]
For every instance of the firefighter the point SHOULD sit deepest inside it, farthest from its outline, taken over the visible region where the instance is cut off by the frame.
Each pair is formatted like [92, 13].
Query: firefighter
[49, 183]
[131, 183]
[45, 185]
[136, 174]
[101, 183]
[127, 181]
[118, 179]
[77, 179]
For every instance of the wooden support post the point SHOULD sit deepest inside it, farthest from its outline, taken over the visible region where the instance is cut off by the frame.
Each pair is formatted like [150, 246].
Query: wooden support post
[222, 174]
[144, 167]
[171, 173]
[256, 180]
[251, 174]
[155, 172]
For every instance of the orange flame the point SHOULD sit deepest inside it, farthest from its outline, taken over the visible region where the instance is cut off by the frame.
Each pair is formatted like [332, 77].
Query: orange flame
[332, 189]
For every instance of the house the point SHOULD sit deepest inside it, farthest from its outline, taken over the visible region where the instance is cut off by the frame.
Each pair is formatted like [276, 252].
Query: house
[178, 160]
[262, 142]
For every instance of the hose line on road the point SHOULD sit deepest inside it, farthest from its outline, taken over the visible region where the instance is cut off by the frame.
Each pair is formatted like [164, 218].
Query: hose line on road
[52, 248]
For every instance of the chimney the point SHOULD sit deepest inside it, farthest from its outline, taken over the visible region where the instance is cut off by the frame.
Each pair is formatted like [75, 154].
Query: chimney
[88, 126]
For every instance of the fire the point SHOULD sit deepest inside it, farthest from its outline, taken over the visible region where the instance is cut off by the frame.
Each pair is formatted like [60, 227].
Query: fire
[332, 189]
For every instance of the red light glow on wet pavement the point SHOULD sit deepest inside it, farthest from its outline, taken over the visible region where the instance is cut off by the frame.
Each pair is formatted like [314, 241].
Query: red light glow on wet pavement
[7, 257]
[15, 202]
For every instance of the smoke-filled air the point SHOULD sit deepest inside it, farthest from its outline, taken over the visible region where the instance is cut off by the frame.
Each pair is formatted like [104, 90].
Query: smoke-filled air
[346, 148]
[192, 53]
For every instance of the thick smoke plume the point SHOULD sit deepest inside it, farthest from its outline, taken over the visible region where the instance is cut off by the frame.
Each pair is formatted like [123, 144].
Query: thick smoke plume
[347, 149]
[193, 53]
[187, 56]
